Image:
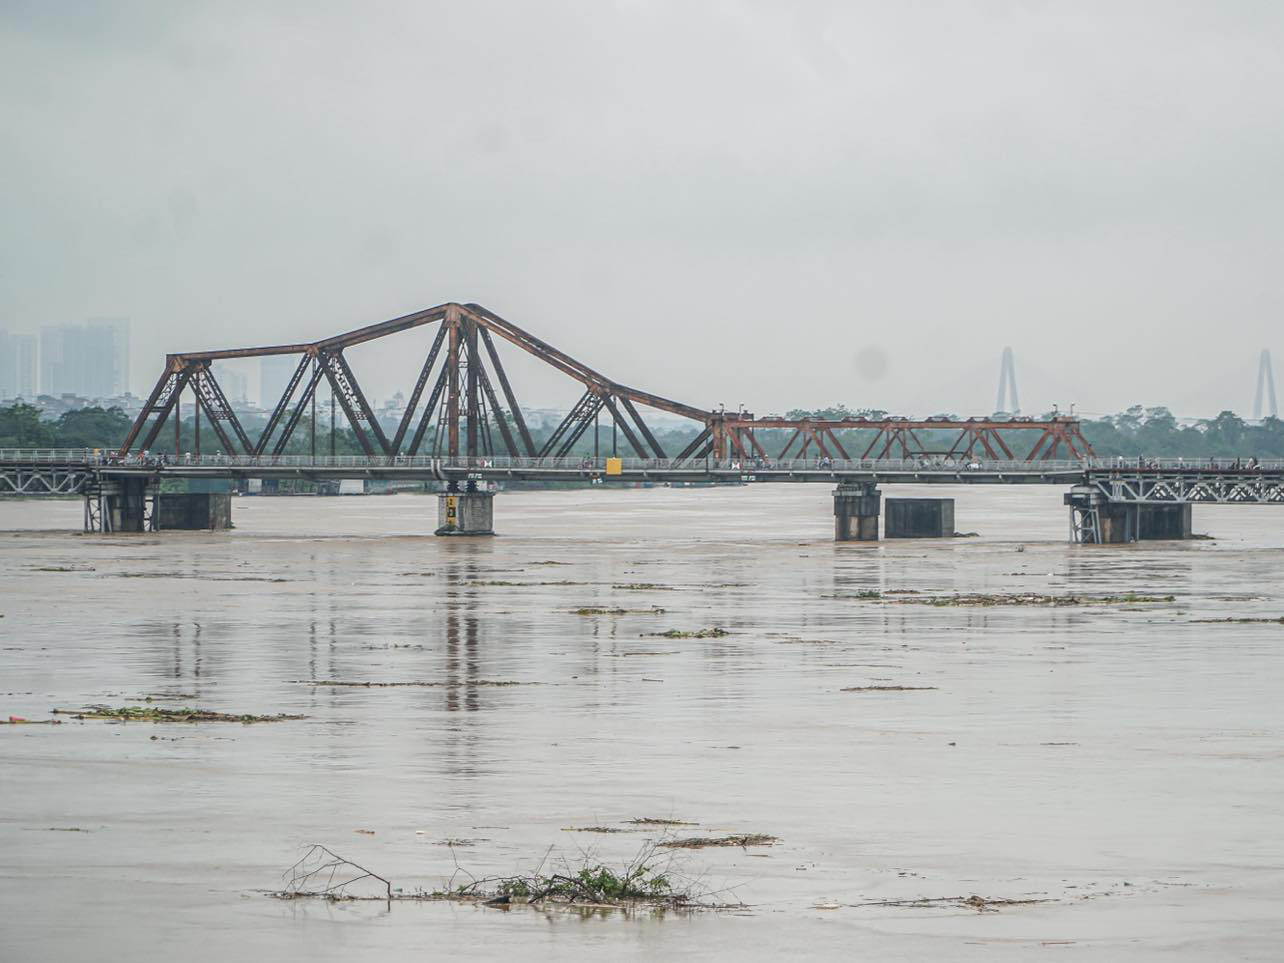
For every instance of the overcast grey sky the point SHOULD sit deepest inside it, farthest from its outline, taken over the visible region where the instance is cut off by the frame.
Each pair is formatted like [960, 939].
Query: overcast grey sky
[762, 203]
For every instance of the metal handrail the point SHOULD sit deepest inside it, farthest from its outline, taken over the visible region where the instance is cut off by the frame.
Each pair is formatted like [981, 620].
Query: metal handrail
[96, 458]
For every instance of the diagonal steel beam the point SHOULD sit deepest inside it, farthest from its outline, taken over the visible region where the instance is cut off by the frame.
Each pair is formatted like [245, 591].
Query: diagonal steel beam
[585, 403]
[418, 391]
[694, 446]
[359, 397]
[164, 404]
[470, 385]
[581, 372]
[452, 382]
[646, 432]
[624, 427]
[590, 412]
[497, 411]
[209, 399]
[513, 406]
[347, 403]
[282, 405]
[429, 410]
[309, 392]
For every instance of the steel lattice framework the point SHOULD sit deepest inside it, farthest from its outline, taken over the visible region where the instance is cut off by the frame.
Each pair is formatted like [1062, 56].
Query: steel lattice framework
[44, 481]
[471, 408]
[1179, 487]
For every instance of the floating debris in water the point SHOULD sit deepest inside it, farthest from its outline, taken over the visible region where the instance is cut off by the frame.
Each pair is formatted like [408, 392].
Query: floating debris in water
[157, 714]
[1033, 599]
[741, 840]
[710, 633]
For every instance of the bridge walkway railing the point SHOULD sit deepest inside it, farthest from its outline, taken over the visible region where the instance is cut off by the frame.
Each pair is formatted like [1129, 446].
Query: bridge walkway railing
[96, 458]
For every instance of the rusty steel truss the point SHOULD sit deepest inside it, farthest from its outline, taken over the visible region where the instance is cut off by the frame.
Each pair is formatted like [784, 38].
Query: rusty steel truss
[471, 408]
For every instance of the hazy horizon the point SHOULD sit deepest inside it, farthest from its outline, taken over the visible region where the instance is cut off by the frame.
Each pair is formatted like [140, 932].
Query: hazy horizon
[736, 204]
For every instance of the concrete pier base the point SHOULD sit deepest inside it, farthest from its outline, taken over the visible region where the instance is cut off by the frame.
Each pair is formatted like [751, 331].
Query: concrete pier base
[918, 518]
[1096, 520]
[127, 506]
[1143, 523]
[195, 511]
[856, 510]
[466, 513]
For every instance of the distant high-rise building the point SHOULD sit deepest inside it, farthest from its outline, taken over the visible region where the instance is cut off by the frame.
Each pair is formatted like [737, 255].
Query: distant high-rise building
[90, 359]
[275, 372]
[17, 366]
[1265, 388]
[116, 333]
[1007, 402]
[234, 383]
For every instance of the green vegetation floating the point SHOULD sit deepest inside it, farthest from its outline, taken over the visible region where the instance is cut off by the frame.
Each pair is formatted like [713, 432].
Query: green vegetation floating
[646, 881]
[590, 610]
[741, 840]
[157, 714]
[1033, 599]
[436, 684]
[1242, 621]
[711, 633]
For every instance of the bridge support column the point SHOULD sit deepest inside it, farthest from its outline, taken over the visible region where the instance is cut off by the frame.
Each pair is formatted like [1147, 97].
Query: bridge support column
[919, 518]
[1096, 520]
[127, 505]
[194, 511]
[466, 513]
[856, 510]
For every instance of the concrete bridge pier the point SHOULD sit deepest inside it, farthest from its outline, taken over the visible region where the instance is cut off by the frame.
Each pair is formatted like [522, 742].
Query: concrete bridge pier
[919, 518]
[126, 506]
[1096, 520]
[465, 513]
[194, 511]
[856, 511]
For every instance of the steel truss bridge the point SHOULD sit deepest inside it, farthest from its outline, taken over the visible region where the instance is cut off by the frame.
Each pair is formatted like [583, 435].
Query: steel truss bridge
[463, 425]
[463, 404]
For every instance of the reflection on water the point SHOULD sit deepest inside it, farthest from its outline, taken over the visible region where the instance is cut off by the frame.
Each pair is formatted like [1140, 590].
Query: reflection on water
[899, 750]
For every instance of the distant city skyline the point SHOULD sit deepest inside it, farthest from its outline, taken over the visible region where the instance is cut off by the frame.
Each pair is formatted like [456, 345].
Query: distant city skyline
[18, 377]
[88, 359]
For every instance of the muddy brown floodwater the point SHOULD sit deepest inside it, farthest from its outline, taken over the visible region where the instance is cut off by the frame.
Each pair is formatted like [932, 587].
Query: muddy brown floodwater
[1121, 763]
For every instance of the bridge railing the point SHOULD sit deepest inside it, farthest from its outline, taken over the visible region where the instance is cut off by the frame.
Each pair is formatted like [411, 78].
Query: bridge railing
[95, 458]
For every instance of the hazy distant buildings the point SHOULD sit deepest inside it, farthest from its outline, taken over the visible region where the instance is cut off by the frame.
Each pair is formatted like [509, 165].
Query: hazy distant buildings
[18, 366]
[275, 372]
[90, 359]
[235, 385]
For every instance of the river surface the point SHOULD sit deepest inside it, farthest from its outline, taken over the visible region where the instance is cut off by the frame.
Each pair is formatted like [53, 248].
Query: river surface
[1121, 763]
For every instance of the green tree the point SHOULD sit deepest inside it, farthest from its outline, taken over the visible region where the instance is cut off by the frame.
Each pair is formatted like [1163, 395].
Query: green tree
[21, 427]
[91, 428]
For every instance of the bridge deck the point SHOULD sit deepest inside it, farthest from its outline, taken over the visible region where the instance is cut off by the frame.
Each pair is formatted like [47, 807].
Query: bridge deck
[1160, 480]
